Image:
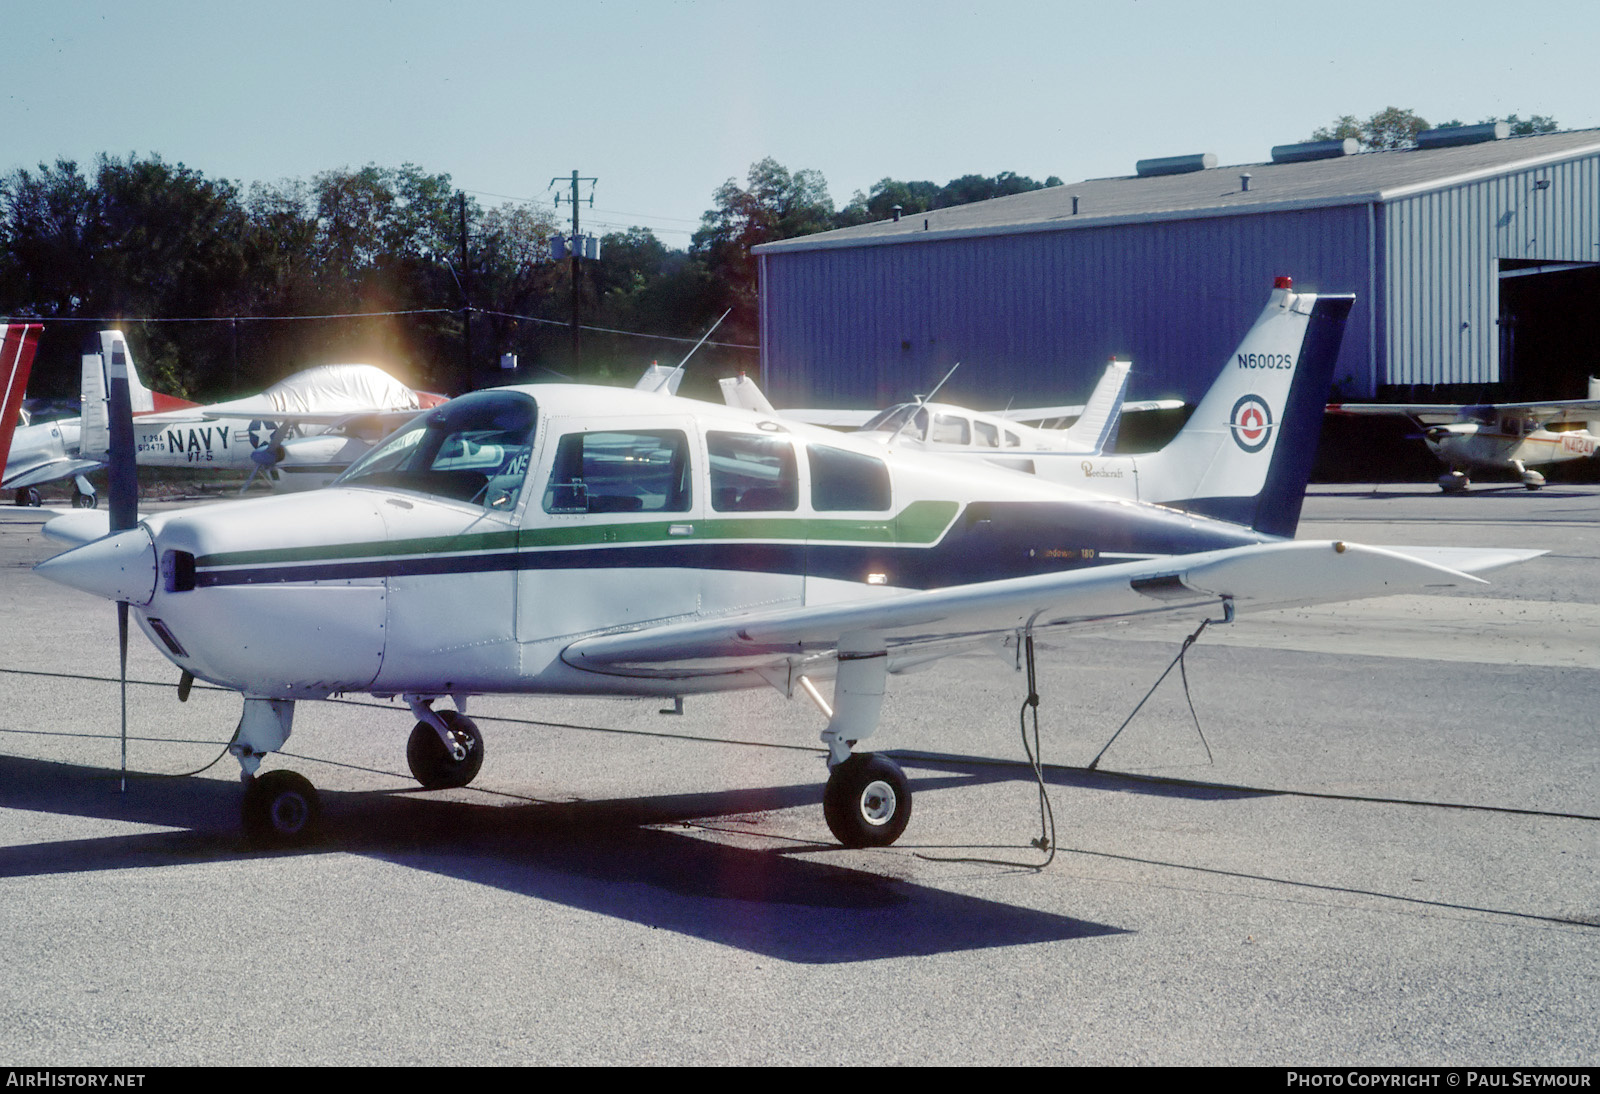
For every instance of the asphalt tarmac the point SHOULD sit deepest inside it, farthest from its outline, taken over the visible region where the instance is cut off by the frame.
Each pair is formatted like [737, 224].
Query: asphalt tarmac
[1380, 847]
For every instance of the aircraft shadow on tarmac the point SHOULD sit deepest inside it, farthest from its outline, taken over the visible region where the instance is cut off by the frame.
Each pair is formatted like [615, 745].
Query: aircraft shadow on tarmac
[602, 856]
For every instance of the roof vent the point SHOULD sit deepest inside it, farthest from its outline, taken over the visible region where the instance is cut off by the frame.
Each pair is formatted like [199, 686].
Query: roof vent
[1463, 134]
[1175, 165]
[1314, 150]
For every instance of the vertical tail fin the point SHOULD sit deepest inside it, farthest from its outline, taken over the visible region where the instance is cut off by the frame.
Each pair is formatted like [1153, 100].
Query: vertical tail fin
[1246, 453]
[94, 441]
[741, 391]
[1096, 429]
[18, 341]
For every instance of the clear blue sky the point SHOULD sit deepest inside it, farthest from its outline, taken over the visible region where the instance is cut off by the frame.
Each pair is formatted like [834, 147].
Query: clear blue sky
[664, 101]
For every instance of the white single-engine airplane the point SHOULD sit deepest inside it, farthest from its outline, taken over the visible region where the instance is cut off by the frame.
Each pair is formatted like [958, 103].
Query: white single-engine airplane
[1498, 436]
[563, 539]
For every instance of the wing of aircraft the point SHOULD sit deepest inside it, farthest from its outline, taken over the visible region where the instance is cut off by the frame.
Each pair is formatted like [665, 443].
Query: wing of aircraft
[569, 540]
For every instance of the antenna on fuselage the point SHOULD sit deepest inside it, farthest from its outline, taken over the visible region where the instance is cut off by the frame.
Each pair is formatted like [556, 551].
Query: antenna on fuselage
[704, 336]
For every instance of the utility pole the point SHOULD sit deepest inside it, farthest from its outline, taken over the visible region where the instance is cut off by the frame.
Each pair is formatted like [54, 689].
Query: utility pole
[464, 384]
[576, 247]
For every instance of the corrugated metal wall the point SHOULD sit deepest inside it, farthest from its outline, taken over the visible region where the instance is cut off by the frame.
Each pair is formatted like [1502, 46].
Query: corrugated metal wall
[1441, 264]
[1033, 317]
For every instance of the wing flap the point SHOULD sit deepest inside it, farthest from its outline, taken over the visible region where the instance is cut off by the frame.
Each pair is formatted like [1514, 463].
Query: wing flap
[913, 624]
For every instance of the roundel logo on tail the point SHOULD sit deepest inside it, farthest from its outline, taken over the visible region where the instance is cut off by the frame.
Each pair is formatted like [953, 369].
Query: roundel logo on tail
[1251, 423]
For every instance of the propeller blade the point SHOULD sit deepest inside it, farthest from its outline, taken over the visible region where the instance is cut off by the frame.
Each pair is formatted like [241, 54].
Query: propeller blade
[123, 468]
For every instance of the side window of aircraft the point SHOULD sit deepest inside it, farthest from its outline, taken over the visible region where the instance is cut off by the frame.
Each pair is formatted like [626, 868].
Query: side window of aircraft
[751, 472]
[1012, 440]
[843, 480]
[949, 429]
[988, 433]
[637, 471]
[472, 449]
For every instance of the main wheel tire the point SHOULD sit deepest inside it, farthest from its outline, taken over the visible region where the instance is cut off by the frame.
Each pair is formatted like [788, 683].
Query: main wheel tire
[281, 809]
[867, 802]
[27, 495]
[431, 763]
[80, 500]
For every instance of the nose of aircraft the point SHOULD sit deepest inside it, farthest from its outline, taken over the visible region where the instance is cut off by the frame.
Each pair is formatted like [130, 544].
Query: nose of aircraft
[118, 567]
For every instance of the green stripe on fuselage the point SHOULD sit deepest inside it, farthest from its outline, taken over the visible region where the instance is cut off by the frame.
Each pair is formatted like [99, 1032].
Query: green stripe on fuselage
[920, 523]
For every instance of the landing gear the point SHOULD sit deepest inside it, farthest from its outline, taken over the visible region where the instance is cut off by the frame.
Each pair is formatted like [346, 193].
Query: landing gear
[438, 767]
[1454, 482]
[27, 495]
[281, 809]
[80, 500]
[1531, 479]
[867, 802]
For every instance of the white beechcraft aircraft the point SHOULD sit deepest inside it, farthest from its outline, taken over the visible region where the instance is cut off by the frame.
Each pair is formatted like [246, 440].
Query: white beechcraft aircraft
[1498, 436]
[945, 427]
[564, 539]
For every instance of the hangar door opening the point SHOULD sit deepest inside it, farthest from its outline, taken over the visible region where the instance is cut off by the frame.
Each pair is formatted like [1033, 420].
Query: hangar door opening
[1549, 328]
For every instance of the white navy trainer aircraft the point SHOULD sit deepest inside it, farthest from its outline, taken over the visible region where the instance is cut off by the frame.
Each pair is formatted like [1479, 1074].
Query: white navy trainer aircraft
[564, 539]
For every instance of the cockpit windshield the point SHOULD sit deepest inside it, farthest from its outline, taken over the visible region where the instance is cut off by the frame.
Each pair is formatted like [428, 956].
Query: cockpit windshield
[473, 449]
[894, 420]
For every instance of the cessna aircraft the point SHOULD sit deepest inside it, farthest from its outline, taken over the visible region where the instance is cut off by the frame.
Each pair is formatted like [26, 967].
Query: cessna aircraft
[1498, 436]
[564, 539]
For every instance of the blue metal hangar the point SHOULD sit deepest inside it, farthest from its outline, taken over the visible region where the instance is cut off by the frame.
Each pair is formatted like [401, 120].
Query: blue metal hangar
[1475, 259]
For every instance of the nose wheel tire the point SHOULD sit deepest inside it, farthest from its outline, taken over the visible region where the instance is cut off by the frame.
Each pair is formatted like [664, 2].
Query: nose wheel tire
[867, 802]
[431, 763]
[281, 809]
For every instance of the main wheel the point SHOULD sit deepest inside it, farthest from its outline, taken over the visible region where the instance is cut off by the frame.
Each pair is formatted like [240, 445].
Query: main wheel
[27, 495]
[80, 500]
[867, 802]
[431, 763]
[281, 809]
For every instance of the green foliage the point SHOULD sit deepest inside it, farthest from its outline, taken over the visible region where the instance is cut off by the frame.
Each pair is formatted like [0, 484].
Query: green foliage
[1389, 128]
[1393, 127]
[921, 197]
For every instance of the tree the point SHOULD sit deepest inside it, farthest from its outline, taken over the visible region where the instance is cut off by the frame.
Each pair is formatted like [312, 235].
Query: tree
[775, 204]
[1389, 128]
[920, 197]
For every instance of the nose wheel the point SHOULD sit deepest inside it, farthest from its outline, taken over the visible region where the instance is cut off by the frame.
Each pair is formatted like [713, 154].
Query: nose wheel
[867, 802]
[438, 767]
[281, 809]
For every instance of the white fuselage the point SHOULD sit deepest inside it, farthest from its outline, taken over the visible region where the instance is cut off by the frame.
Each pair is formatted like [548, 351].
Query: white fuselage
[473, 575]
[1508, 444]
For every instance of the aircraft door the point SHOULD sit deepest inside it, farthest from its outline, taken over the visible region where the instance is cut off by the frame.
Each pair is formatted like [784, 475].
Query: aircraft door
[612, 529]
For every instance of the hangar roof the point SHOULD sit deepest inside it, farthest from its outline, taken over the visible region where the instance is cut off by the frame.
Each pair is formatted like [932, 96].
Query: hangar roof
[1345, 180]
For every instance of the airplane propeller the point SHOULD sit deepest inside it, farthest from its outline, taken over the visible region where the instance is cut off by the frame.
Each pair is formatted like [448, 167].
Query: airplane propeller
[123, 472]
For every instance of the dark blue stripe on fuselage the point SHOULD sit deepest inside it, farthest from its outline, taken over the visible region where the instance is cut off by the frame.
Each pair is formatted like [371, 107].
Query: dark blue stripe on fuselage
[989, 541]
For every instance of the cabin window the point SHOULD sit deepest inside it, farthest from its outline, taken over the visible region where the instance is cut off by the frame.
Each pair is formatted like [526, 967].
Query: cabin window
[752, 473]
[472, 449]
[988, 433]
[643, 471]
[949, 429]
[1012, 440]
[843, 480]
